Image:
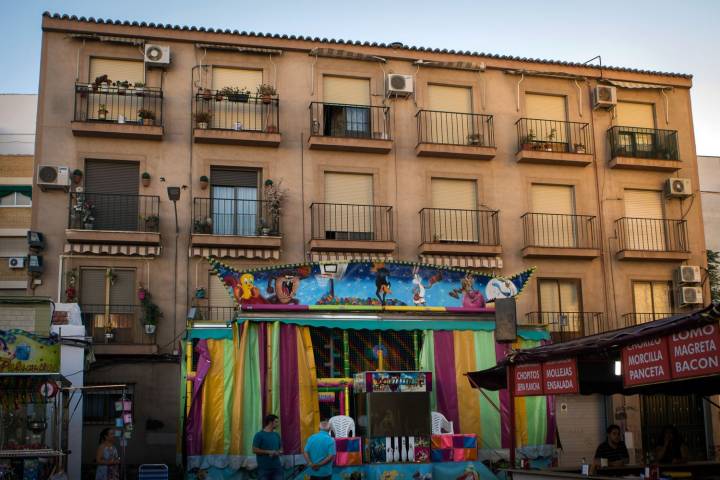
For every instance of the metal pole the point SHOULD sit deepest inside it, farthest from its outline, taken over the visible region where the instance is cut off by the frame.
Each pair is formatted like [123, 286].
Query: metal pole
[511, 409]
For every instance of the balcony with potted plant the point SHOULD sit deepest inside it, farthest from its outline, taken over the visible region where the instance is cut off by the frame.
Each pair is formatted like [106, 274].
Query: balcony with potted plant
[353, 128]
[455, 135]
[644, 149]
[554, 142]
[236, 116]
[118, 329]
[239, 228]
[117, 109]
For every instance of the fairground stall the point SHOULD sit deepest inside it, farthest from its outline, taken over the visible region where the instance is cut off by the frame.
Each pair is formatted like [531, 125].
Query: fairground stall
[383, 348]
[673, 356]
[33, 407]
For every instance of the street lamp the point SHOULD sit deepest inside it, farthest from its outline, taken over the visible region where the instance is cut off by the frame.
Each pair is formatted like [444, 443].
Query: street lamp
[174, 196]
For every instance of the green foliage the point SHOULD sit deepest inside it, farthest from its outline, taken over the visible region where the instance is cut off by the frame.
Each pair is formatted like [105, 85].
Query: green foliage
[713, 260]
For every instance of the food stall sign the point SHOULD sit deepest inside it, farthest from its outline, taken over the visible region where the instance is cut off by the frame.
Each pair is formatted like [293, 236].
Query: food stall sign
[23, 352]
[694, 352]
[560, 377]
[527, 380]
[646, 362]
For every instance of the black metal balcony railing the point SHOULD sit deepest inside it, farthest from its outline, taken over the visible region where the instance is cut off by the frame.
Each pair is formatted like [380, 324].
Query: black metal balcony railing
[567, 325]
[228, 216]
[334, 221]
[215, 314]
[643, 143]
[560, 231]
[630, 319]
[355, 121]
[118, 324]
[239, 112]
[103, 211]
[652, 234]
[445, 225]
[554, 136]
[117, 104]
[449, 128]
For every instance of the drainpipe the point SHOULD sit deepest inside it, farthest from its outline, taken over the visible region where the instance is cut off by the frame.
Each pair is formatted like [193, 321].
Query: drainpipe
[522, 77]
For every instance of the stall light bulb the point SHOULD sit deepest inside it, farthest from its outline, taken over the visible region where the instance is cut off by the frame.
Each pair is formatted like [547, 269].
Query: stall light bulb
[618, 368]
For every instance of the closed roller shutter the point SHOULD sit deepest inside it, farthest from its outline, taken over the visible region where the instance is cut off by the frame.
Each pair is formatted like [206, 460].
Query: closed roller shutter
[449, 99]
[581, 426]
[643, 228]
[219, 296]
[349, 91]
[13, 247]
[635, 115]
[557, 227]
[117, 70]
[115, 187]
[457, 218]
[453, 126]
[236, 77]
[92, 289]
[349, 197]
[234, 177]
[546, 107]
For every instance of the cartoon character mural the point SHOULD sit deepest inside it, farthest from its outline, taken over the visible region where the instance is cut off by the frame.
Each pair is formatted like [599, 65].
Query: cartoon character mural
[383, 285]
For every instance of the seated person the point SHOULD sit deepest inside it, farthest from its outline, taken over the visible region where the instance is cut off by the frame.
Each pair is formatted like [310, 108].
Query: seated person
[671, 447]
[613, 449]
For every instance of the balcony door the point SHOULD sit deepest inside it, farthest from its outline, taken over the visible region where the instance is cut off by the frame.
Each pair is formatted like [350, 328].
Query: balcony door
[454, 215]
[450, 123]
[552, 222]
[346, 112]
[652, 300]
[560, 304]
[348, 213]
[248, 115]
[235, 201]
[107, 298]
[638, 141]
[548, 119]
[645, 228]
[132, 71]
[111, 187]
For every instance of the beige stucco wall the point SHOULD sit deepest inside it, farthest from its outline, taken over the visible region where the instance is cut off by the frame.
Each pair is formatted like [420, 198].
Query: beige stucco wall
[401, 179]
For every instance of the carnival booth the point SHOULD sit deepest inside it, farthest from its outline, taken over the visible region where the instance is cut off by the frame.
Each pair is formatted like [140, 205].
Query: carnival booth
[673, 356]
[33, 406]
[382, 347]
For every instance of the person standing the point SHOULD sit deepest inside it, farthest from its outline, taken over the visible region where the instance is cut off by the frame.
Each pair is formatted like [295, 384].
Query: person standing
[107, 457]
[320, 453]
[267, 449]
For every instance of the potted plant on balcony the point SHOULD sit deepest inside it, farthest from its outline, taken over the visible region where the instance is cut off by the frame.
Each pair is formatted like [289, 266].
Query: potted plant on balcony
[86, 215]
[550, 139]
[579, 148]
[145, 179]
[263, 228]
[205, 93]
[102, 112]
[475, 139]
[274, 195]
[139, 89]
[151, 222]
[77, 176]
[271, 129]
[235, 94]
[204, 182]
[200, 293]
[102, 83]
[266, 91]
[202, 119]
[122, 86]
[529, 140]
[147, 116]
[151, 313]
[203, 225]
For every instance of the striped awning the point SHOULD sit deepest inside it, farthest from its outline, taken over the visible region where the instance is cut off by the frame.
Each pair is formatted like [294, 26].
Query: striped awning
[462, 261]
[223, 252]
[637, 85]
[349, 256]
[112, 249]
[107, 38]
[338, 53]
[238, 48]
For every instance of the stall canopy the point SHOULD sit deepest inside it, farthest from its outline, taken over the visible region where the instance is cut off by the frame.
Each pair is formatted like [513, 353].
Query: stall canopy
[596, 356]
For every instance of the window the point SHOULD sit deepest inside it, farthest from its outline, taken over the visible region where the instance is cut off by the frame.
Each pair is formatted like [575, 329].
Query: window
[117, 70]
[552, 113]
[107, 298]
[455, 217]
[449, 127]
[560, 303]
[99, 404]
[346, 112]
[132, 71]
[112, 186]
[348, 212]
[236, 77]
[652, 300]
[644, 228]
[235, 206]
[639, 141]
[15, 199]
[552, 219]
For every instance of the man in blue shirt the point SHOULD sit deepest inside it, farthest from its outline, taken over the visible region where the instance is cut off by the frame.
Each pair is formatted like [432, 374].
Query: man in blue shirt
[320, 453]
[267, 449]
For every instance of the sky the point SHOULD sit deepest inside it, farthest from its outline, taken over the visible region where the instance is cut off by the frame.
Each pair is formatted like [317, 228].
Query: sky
[669, 36]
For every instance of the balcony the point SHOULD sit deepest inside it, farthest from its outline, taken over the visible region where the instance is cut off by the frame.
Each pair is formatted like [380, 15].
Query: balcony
[351, 228]
[644, 149]
[455, 135]
[554, 142]
[459, 232]
[214, 314]
[113, 224]
[564, 326]
[236, 119]
[652, 239]
[235, 228]
[630, 319]
[354, 128]
[553, 235]
[117, 329]
[118, 112]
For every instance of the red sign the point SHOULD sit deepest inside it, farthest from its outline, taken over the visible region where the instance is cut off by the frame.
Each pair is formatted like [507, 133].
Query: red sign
[694, 352]
[528, 379]
[646, 362]
[560, 377]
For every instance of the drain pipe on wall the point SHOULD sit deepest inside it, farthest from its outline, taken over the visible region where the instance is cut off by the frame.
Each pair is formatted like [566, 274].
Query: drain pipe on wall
[522, 77]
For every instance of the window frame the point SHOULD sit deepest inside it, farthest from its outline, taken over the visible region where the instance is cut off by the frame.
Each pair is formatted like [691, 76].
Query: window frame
[115, 393]
[671, 297]
[15, 199]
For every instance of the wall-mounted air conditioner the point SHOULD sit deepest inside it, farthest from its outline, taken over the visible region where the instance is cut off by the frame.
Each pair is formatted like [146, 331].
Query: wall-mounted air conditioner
[688, 274]
[604, 97]
[678, 187]
[52, 176]
[399, 85]
[16, 262]
[157, 54]
[690, 296]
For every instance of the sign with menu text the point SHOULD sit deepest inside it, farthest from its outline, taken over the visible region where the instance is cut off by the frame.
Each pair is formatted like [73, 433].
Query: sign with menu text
[560, 377]
[694, 353]
[646, 362]
[528, 379]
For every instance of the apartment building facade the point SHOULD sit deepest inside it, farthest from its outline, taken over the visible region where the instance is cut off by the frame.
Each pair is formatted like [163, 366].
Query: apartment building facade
[357, 151]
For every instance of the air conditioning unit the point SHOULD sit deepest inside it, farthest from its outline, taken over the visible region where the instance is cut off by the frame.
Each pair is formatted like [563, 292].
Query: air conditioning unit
[399, 85]
[688, 274]
[678, 187]
[690, 296]
[52, 176]
[16, 262]
[604, 97]
[157, 54]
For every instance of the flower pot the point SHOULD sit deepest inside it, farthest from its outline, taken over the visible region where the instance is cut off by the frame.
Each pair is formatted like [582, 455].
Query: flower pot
[239, 97]
[271, 129]
[122, 90]
[579, 149]
[148, 122]
[109, 336]
[88, 226]
[104, 87]
[203, 185]
[238, 126]
[150, 329]
[219, 98]
[102, 115]
[203, 125]
[265, 231]
[527, 146]
[266, 99]
[139, 91]
[146, 182]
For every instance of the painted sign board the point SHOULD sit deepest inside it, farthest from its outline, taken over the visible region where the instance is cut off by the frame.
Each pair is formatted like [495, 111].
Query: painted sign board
[396, 382]
[646, 362]
[560, 377]
[528, 380]
[25, 352]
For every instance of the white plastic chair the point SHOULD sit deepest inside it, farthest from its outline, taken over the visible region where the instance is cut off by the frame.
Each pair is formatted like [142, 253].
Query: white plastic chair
[440, 423]
[343, 426]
